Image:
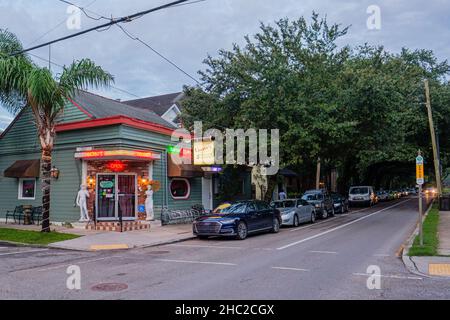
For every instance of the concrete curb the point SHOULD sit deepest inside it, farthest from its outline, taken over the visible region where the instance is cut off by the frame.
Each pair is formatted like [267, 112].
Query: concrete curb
[407, 261]
[155, 244]
[19, 244]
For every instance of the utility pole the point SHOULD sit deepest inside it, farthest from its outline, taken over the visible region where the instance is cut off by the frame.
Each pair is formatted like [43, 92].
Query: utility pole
[433, 141]
[318, 174]
[420, 181]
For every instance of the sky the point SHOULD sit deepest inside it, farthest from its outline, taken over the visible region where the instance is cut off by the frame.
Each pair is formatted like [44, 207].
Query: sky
[187, 34]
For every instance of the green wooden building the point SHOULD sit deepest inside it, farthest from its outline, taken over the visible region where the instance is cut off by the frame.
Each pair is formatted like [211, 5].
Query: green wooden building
[116, 150]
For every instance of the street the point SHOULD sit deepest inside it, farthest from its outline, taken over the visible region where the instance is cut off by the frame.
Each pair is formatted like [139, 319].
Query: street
[327, 260]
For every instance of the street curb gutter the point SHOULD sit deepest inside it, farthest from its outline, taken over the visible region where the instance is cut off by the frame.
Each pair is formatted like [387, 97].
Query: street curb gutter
[407, 261]
[160, 243]
[19, 244]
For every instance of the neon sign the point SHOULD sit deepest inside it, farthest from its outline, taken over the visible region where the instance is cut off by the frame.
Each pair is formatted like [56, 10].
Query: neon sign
[99, 154]
[116, 166]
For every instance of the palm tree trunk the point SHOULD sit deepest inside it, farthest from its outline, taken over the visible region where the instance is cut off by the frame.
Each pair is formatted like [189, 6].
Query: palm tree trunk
[46, 166]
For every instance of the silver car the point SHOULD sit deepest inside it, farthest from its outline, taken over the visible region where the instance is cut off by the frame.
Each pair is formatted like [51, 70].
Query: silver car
[295, 211]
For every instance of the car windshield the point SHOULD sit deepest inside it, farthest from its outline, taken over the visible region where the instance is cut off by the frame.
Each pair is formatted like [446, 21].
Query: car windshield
[335, 196]
[359, 190]
[235, 208]
[311, 197]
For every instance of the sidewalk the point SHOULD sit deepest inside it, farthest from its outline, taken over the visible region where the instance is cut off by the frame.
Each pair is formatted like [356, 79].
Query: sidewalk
[100, 240]
[444, 233]
[437, 266]
[157, 235]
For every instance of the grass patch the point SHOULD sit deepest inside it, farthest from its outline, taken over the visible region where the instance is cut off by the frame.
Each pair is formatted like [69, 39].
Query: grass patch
[33, 237]
[430, 235]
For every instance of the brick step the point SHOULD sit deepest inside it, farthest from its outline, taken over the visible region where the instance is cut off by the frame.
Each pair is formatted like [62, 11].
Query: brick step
[115, 226]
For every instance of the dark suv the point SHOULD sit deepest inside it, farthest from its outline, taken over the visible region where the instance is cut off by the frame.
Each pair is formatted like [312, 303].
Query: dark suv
[322, 202]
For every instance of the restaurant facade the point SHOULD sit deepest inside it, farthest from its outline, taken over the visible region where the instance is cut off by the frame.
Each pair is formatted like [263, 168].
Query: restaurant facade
[115, 151]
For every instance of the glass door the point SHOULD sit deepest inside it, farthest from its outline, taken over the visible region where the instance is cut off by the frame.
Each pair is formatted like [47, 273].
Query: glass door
[106, 196]
[126, 191]
[116, 196]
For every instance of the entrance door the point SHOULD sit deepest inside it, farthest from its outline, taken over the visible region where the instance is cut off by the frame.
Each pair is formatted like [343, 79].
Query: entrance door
[126, 190]
[116, 194]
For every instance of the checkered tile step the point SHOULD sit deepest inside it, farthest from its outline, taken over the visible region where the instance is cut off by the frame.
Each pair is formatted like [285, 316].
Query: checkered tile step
[115, 226]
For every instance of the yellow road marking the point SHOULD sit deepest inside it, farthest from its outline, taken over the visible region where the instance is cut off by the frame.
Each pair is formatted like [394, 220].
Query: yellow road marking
[109, 247]
[439, 269]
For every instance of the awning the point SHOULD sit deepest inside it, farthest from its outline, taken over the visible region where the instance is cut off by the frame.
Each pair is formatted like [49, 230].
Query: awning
[183, 170]
[24, 169]
[287, 173]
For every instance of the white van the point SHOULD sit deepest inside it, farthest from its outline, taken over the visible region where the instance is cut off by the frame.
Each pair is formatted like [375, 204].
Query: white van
[361, 195]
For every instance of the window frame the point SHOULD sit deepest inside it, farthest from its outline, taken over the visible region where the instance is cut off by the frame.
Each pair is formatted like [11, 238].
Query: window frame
[188, 194]
[20, 195]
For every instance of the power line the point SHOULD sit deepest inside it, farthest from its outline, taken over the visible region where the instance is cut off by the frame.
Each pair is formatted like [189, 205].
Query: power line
[62, 67]
[135, 38]
[157, 52]
[84, 10]
[112, 22]
[57, 26]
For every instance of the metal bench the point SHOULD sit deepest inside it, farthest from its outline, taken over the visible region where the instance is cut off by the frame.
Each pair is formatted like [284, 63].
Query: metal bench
[16, 214]
[181, 216]
[36, 215]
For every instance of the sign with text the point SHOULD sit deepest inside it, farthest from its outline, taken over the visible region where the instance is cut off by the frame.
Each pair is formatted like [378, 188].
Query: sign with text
[419, 170]
[204, 153]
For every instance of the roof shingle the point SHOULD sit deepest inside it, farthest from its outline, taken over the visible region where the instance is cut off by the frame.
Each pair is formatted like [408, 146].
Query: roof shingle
[158, 104]
[100, 107]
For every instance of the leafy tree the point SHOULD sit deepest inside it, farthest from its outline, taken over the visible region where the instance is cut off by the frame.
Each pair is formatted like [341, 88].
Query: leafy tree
[360, 110]
[284, 78]
[23, 84]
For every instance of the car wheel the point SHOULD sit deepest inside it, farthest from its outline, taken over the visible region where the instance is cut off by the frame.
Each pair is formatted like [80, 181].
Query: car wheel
[324, 214]
[313, 217]
[296, 221]
[275, 225]
[242, 231]
[332, 213]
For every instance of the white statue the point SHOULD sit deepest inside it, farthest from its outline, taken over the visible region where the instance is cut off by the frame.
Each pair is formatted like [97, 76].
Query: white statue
[81, 202]
[149, 204]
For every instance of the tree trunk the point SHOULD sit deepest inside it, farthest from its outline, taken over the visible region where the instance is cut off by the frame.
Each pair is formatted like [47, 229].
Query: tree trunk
[271, 183]
[46, 166]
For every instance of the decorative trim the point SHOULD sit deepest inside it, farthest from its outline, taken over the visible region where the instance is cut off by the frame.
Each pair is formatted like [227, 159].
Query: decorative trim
[188, 194]
[116, 120]
[81, 108]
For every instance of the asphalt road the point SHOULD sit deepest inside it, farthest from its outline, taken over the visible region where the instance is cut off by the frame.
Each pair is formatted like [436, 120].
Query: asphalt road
[327, 260]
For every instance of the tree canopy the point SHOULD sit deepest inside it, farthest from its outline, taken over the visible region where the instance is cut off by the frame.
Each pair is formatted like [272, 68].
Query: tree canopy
[355, 108]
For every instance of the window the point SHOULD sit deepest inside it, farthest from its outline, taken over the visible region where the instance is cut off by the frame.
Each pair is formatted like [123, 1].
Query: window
[180, 189]
[27, 189]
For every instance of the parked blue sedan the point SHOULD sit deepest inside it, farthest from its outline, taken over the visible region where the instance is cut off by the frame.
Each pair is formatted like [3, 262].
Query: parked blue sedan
[239, 220]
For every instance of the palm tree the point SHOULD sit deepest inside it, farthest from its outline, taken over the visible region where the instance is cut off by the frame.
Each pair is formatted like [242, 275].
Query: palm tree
[23, 84]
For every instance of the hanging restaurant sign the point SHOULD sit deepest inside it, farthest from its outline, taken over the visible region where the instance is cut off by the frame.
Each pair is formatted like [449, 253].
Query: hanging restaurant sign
[125, 154]
[204, 153]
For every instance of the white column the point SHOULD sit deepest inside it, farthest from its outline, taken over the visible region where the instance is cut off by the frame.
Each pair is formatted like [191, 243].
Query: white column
[83, 172]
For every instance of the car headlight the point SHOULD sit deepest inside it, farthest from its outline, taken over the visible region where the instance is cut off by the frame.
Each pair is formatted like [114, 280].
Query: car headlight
[227, 221]
[318, 205]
